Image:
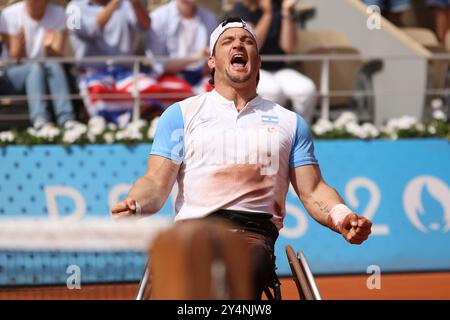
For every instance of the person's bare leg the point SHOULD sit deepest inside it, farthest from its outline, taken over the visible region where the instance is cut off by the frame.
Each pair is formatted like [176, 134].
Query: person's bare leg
[441, 18]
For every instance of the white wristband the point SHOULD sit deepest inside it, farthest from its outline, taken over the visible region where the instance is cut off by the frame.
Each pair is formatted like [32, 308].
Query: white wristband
[138, 210]
[338, 214]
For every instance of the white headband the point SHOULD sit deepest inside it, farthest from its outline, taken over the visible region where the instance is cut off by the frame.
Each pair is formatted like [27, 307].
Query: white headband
[224, 26]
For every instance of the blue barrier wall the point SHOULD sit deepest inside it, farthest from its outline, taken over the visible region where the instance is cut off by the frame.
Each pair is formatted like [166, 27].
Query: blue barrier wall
[403, 186]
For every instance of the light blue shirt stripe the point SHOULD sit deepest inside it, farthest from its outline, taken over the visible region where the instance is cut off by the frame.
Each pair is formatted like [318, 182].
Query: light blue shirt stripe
[169, 136]
[302, 152]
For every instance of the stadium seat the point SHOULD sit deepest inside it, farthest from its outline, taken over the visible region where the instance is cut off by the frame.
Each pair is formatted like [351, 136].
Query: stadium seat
[418, 16]
[437, 69]
[302, 11]
[447, 78]
[424, 37]
[344, 75]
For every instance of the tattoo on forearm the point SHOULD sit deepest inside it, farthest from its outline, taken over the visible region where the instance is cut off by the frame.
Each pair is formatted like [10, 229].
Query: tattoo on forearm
[323, 207]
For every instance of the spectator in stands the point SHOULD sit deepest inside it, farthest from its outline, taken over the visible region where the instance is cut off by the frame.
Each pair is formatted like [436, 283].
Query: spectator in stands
[441, 15]
[392, 9]
[181, 29]
[36, 29]
[107, 28]
[1, 45]
[277, 35]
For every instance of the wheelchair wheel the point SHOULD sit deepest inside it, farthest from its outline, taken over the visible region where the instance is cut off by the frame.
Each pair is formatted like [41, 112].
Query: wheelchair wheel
[302, 275]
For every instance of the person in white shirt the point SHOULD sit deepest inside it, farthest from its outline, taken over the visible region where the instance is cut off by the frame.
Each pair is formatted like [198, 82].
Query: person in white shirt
[107, 28]
[181, 29]
[36, 29]
[234, 154]
[274, 25]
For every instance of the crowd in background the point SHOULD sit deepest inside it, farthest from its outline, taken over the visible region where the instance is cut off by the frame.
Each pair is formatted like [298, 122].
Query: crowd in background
[177, 29]
[394, 10]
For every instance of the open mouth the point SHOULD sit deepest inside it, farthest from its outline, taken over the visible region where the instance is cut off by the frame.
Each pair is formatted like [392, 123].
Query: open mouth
[238, 60]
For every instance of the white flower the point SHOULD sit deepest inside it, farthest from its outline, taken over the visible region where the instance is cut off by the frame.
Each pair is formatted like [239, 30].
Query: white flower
[392, 134]
[6, 136]
[91, 137]
[70, 136]
[436, 104]
[109, 137]
[134, 135]
[137, 125]
[345, 118]
[318, 130]
[120, 135]
[152, 129]
[370, 130]
[97, 125]
[356, 130]
[112, 126]
[48, 131]
[390, 127]
[131, 131]
[123, 135]
[420, 127]
[74, 133]
[439, 115]
[322, 126]
[403, 123]
[32, 131]
[78, 127]
[407, 122]
[96, 121]
[124, 119]
[432, 130]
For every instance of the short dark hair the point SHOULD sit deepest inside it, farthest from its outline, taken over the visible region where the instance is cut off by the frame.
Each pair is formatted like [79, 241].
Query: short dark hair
[231, 20]
[211, 73]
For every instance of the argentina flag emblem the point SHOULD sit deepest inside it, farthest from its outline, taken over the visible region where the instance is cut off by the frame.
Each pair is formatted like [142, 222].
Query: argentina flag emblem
[269, 119]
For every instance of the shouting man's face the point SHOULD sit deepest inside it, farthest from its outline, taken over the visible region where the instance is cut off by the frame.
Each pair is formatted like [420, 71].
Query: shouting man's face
[236, 59]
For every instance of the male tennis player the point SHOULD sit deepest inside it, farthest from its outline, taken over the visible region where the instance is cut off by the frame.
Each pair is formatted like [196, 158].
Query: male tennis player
[234, 154]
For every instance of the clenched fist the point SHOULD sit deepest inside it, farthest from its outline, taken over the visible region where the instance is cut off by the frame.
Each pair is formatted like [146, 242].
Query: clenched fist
[355, 229]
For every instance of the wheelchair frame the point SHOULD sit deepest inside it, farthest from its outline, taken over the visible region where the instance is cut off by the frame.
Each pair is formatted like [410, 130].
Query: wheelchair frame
[301, 274]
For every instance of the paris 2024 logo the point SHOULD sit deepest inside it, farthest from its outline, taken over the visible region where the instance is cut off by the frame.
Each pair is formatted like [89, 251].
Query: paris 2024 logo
[419, 194]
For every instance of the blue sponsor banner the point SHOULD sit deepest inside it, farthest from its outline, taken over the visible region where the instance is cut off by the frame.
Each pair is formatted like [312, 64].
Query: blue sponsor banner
[403, 186]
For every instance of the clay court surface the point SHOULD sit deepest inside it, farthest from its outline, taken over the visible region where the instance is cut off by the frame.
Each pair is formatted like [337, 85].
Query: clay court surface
[393, 286]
